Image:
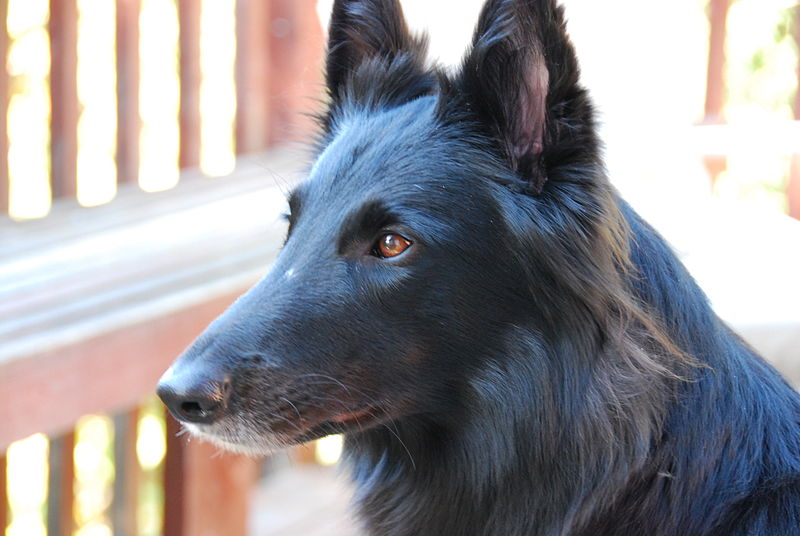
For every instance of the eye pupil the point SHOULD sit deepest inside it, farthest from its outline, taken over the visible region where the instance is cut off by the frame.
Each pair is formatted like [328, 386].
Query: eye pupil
[391, 245]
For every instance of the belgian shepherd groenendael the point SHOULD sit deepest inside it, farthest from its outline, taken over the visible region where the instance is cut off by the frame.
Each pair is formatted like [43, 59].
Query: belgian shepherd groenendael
[508, 347]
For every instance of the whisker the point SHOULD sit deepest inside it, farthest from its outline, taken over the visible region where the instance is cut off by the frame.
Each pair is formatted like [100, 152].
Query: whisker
[329, 378]
[402, 443]
[275, 415]
[350, 390]
[293, 406]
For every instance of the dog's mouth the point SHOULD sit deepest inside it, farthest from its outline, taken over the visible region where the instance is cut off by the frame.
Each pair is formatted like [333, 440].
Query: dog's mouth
[358, 420]
[259, 418]
[284, 430]
[354, 417]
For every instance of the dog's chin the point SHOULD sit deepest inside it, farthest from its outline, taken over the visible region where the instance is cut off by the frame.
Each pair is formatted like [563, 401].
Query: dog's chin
[239, 443]
[244, 441]
[240, 436]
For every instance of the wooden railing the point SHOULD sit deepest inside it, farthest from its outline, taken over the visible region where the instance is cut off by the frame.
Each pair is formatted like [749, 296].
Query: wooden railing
[277, 76]
[95, 303]
[95, 311]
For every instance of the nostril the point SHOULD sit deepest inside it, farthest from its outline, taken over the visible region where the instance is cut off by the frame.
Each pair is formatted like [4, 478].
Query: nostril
[200, 401]
[192, 408]
[203, 409]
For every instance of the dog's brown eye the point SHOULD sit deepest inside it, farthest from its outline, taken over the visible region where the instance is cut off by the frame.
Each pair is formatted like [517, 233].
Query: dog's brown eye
[390, 245]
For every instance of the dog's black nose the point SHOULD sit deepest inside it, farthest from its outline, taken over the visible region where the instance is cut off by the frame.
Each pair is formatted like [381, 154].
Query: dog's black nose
[194, 399]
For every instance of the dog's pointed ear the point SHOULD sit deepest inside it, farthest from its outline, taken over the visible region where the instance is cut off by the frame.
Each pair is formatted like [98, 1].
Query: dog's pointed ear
[521, 79]
[369, 31]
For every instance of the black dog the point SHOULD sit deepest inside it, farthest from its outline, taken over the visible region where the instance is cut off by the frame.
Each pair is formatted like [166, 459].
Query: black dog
[508, 347]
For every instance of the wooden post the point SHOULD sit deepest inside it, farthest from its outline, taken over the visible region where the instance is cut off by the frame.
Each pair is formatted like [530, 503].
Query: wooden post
[252, 75]
[60, 518]
[64, 96]
[793, 187]
[206, 491]
[128, 121]
[3, 494]
[221, 507]
[715, 80]
[174, 480]
[190, 76]
[127, 474]
[4, 79]
[295, 51]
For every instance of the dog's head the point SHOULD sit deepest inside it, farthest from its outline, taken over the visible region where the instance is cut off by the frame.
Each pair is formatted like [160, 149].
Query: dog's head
[405, 263]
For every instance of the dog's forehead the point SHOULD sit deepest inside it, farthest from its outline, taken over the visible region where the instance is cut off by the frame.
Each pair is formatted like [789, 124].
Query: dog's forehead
[376, 152]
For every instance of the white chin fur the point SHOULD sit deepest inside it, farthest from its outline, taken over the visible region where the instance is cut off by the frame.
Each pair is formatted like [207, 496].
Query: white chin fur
[250, 445]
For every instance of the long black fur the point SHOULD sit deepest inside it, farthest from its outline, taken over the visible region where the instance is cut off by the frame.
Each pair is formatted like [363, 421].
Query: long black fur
[538, 362]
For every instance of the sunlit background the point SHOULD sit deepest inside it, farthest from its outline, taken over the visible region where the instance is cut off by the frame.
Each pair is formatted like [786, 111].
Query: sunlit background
[28, 119]
[27, 479]
[159, 102]
[159, 95]
[761, 81]
[29, 115]
[644, 62]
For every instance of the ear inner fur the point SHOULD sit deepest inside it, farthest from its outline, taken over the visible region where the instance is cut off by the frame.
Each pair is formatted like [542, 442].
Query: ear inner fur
[373, 60]
[521, 78]
[363, 29]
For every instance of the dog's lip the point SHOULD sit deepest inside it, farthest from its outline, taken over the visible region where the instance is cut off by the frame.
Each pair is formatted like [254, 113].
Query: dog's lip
[354, 416]
[343, 422]
[336, 423]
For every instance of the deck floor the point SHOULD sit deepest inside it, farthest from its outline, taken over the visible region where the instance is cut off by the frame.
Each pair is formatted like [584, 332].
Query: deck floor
[302, 500]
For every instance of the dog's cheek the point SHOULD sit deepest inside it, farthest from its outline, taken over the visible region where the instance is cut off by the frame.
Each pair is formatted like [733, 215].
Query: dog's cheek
[414, 356]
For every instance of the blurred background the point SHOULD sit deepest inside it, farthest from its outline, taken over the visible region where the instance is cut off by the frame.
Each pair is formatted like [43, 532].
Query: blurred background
[144, 157]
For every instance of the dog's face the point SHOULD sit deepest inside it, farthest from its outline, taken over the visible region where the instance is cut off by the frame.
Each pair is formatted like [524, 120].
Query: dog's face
[398, 276]
[379, 284]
